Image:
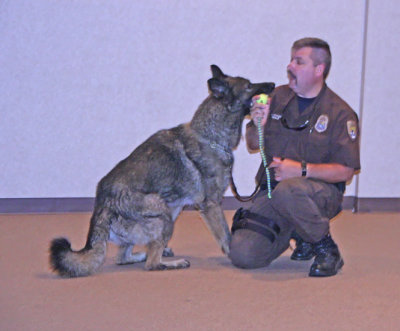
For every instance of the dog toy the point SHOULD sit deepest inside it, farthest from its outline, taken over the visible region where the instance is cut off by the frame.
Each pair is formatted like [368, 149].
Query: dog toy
[263, 98]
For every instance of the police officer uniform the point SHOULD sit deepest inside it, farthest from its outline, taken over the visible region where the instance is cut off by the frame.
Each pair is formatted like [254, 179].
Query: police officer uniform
[325, 131]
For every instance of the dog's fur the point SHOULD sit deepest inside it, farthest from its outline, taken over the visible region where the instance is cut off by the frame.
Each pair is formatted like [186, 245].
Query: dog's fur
[139, 200]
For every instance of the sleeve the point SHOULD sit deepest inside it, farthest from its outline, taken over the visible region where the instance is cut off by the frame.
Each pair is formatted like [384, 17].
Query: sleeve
[345, 140]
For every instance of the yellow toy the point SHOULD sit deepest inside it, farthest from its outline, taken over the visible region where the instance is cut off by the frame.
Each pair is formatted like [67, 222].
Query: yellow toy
[263, 99]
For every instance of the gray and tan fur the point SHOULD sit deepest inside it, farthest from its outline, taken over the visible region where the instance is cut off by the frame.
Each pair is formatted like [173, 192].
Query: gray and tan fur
[138, 202]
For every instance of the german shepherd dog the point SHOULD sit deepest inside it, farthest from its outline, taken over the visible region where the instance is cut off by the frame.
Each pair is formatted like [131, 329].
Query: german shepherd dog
[140, 199]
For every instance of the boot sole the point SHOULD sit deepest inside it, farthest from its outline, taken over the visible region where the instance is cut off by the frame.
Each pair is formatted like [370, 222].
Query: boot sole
[317, 273]
[302, 258]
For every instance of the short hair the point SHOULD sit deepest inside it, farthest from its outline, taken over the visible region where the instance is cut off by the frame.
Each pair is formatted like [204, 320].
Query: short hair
[321, 52]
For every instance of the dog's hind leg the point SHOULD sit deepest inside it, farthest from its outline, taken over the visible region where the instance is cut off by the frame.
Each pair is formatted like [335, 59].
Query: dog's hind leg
[157, 247]
[125, 255]
[149, 222]
[154, 261]
[214, 217]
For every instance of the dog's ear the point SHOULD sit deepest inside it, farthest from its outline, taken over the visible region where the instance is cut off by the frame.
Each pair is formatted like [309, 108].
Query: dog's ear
[218, 88]
[217, 72]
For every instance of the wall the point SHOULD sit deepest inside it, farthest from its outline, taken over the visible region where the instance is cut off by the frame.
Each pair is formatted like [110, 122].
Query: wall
[380, 144]
[82, 83]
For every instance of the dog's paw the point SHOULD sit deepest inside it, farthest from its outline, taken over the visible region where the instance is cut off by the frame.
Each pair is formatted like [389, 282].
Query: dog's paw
[177, 264]
[225, 249]
[168, 252]
[169, 265]
[157, 267]
[184, 264]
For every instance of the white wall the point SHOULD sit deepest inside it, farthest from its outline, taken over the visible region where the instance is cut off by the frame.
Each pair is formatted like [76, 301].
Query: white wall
[380, 144]
[82, 83]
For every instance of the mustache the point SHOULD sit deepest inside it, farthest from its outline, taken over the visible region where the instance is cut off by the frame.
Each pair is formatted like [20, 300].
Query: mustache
[290, 74]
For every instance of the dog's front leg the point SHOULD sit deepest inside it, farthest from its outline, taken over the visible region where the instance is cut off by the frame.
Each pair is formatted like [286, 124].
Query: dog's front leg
[214, 217]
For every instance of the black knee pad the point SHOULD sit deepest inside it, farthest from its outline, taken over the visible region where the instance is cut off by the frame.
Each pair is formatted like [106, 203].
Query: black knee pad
[245, 219]
[250, 250]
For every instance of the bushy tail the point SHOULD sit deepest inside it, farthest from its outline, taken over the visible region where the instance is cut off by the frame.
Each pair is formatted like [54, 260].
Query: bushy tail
[69, 263]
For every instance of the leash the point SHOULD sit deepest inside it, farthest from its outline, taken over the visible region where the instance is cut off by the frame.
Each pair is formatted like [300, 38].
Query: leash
[237, 195]
[216, 147]
[263, 99]
[263, 157]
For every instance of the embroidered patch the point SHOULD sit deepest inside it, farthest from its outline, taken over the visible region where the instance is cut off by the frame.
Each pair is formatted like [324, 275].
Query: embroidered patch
[352, 129]
[322, 123]
[276, 116]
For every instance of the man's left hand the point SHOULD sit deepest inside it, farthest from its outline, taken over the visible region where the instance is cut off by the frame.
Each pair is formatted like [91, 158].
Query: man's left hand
[285, 168]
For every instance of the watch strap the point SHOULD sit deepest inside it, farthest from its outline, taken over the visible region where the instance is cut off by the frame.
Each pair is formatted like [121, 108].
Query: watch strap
[303, 168]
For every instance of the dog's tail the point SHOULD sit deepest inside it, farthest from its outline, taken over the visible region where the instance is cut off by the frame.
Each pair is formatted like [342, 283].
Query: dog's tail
[69, 263]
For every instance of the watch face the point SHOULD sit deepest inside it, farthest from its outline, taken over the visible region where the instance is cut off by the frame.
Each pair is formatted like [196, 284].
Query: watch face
[303, 168]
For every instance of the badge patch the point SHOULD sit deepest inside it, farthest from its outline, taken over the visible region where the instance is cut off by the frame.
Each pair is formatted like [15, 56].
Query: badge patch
[276, 116]
[322, 123]
[352, 129]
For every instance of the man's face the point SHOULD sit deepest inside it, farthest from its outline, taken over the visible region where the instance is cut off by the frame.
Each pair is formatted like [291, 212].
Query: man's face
[304, 77]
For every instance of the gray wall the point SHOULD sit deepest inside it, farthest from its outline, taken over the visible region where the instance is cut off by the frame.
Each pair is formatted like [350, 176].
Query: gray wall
[82, 83]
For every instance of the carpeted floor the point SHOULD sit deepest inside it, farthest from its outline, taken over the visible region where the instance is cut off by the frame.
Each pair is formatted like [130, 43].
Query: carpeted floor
[211, 294]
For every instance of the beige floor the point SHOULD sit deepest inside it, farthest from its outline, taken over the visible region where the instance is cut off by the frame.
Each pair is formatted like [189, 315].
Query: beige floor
[211, 294]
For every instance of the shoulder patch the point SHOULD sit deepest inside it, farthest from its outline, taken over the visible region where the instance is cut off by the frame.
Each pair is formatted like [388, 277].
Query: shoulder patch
[322, 123]
[352, 129]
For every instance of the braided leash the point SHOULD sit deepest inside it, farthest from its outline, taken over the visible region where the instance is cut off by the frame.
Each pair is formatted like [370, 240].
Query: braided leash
[263, 99]
[263, 157]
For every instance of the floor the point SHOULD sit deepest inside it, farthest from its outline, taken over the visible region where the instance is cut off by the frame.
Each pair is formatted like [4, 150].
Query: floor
[211, 294]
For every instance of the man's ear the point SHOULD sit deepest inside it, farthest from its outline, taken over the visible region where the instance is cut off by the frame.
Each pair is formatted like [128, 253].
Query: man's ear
[218, 88]
[320, 69]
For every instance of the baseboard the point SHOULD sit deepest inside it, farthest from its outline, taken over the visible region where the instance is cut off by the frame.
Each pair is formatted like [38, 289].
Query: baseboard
[377, 204]
[80, 205]
[45, 205]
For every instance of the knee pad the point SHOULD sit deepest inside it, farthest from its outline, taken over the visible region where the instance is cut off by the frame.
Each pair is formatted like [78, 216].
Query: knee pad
[250, 250]
[245, 219]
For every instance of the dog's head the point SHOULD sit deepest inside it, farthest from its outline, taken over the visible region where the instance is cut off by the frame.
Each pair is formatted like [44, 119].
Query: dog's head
[236, 92]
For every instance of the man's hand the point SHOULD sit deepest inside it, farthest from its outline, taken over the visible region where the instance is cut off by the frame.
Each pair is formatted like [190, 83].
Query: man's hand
[328, 172]
[285, 169]
[259, 110]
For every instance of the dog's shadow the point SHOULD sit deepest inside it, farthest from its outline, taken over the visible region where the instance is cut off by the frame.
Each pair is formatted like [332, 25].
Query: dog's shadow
[281, 269]
[198, 263]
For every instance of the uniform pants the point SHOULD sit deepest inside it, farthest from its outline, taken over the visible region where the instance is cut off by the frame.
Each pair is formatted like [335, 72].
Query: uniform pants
[297, 204]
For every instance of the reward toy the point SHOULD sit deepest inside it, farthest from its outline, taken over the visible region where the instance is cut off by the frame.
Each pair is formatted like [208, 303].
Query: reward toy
[263, 99]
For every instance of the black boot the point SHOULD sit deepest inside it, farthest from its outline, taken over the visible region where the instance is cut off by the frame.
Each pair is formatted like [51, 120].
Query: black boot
[328, 260]
[304, 251]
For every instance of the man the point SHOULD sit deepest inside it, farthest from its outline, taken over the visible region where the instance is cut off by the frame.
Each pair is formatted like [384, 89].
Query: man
[311, 140]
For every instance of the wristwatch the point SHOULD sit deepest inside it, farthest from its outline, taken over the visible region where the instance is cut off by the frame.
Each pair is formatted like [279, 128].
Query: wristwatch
[303, 168]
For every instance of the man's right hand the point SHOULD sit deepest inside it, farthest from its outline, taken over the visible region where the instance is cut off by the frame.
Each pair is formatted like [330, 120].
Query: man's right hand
[259, 110]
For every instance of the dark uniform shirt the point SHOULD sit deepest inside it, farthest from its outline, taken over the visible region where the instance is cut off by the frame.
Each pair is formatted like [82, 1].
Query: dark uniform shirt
[327, 131]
